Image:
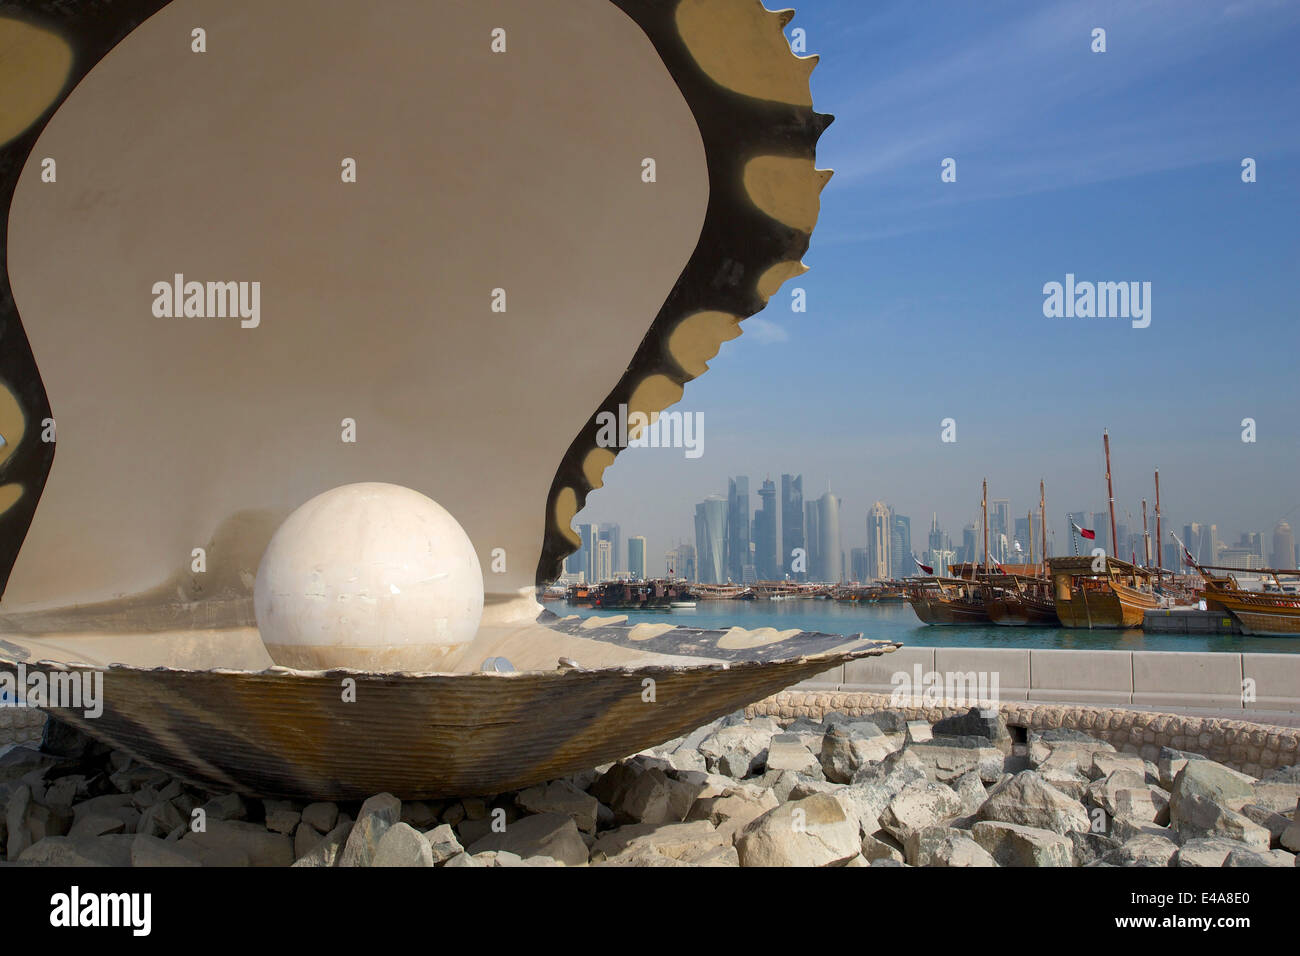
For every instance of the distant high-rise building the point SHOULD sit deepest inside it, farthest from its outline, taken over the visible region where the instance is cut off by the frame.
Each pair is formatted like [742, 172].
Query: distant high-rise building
[900, 548]
[812, 540]
[737, 527]
[880, 523]
[1020, 541]
[999, 517]
[636, 557]
[940, 554]
[681, 562]
[971, 549]
[830, 557]
[1127, 546]
[580, 562]
[859, 559]
[1240, 557]
[935, 541]
[711, 539]
[999, 547]
[1283, 547]
[792, 535]
[687, 558]
[1172, 556]
[1203, 541]
[612, 533]
[604, 567]
[1101, 525]
[766, 563]
[1255, 542]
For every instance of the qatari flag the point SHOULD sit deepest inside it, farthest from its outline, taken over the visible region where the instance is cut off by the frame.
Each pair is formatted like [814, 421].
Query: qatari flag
[924, 567]
[1085, 532]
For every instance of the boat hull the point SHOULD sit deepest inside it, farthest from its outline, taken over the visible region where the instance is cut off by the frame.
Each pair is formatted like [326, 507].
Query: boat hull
[1259, 615]
[1113, 607]
[1019, 610]
[940, 612]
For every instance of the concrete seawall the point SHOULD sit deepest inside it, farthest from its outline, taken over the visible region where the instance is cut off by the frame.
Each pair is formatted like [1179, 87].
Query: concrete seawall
[1261, 687]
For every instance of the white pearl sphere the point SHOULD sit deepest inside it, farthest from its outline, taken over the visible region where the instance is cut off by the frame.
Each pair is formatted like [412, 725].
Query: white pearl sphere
[370, 576]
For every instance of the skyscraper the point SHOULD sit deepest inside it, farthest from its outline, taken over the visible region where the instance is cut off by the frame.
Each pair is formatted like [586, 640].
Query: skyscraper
[604, 564]
[1203, 541]
[792, 535]
[812, 540]
[737, 527]
[613, 534]
[1020, 536]
[1283, 547]
[581, 561]
[858, 561]
[880, 522]
[681, 563]
[940, 553]
[936, 536]
[636, 557]
[711, 539]
[766, 564]
[829, 556]
[1101, 525]
[900, 548]
[999, 517]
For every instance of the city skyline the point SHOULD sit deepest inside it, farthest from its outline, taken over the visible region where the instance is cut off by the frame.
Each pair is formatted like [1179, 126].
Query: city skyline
[719, 546]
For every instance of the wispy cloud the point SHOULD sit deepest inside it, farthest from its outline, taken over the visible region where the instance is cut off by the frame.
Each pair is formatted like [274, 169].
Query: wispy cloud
[764, 331]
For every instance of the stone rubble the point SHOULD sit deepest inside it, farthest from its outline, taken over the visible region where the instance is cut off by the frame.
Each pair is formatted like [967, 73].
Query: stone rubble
[887, 790]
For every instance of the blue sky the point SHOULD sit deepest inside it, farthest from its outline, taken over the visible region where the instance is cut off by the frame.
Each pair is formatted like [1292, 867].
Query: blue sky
[925, 298]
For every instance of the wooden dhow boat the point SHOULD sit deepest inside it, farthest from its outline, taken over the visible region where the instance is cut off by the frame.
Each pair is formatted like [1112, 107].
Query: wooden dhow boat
[1116, 596]
[959, 599]
[1269, 613]
[945, 601]
[1020, 600]
[1014, 600]
[1099, 591]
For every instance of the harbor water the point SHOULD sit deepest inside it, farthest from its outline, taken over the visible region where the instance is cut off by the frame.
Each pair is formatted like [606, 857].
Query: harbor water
[897, 622]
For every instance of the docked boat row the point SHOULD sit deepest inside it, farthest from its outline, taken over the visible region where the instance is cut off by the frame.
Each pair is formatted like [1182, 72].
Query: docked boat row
[664, 593]
[1080, 591]
[624, 595]
[1098, 590]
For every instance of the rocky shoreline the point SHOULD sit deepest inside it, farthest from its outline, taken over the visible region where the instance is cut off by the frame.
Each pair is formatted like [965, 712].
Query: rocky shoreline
[881, 790]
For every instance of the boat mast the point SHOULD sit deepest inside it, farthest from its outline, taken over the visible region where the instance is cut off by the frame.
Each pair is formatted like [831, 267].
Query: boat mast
[1146, 537]
[1110, 494]
[1042, 520]
[1029, 517]
[984, 504]
[1160, 541]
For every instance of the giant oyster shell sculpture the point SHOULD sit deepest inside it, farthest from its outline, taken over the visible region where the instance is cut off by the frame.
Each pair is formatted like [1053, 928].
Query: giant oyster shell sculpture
[258, 251]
